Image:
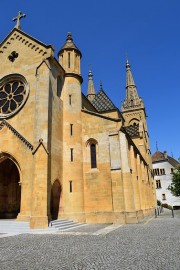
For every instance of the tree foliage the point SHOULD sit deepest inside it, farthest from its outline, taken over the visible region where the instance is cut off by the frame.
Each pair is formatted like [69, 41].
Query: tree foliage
[174, 187]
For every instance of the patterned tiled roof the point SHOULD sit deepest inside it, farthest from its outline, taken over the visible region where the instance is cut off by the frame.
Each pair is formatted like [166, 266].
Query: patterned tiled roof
[133, 130]
[102, 102]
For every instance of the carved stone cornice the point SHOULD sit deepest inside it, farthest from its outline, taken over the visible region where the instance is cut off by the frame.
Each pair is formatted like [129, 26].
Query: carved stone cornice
[28, 41]
[16, 133]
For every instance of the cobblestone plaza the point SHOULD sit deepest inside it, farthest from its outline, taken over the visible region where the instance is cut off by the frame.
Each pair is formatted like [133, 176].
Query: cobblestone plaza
[153, 244]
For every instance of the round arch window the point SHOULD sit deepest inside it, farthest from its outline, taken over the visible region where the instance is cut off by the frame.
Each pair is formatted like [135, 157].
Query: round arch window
[14, 91]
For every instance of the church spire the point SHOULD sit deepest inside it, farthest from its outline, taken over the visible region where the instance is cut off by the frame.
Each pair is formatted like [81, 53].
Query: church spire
[132, 100]
[129, 77]
[91, 91]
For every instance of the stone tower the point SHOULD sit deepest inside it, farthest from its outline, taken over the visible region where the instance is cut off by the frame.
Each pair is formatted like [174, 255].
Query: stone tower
[134, 112]
[69, 58]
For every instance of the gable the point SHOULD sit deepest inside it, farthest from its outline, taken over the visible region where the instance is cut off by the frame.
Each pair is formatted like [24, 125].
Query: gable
[18, 47]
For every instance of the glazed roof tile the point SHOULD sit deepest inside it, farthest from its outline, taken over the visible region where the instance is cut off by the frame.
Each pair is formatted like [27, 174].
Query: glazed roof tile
[103, 103]
[132, 130]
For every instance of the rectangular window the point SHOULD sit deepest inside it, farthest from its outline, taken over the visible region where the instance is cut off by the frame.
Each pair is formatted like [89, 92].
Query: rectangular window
[93, 155]
[71, 129]
[76, 61]
[163, 196]
[61, 60]
[158, 184]
[70, 100]
[69, 60]
[59, 86]
[172, 170]
[70, 186]
[162, 171]
[71, 154]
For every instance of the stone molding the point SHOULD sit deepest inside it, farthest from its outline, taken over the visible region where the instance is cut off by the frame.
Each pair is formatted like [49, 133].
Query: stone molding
[40, 144]
[27, 40]
[16, 133]
[101, 115]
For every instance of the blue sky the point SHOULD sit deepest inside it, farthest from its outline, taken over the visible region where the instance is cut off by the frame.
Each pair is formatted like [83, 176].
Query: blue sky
[105, 32]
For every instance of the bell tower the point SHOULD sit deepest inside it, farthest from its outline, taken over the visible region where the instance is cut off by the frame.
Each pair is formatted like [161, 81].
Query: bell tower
[134, 112]
[73, 185]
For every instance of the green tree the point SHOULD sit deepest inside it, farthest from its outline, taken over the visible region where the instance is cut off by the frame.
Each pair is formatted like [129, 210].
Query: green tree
[174, 187]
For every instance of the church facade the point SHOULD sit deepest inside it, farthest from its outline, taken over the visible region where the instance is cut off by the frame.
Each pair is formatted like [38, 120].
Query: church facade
[64, 154]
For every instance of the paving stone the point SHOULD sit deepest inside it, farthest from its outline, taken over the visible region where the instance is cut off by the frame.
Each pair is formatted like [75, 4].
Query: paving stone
[153, 245]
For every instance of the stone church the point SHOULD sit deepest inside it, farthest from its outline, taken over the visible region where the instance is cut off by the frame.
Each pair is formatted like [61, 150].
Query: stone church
[64, 154]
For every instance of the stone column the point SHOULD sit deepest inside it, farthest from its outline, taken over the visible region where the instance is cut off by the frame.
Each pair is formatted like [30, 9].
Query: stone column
[140, 184]
[116, 178]
[134, 178]
[130, 212]
[143, 186]
[39, 217]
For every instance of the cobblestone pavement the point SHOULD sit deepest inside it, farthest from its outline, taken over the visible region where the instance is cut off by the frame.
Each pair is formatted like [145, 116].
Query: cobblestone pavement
[152, 245]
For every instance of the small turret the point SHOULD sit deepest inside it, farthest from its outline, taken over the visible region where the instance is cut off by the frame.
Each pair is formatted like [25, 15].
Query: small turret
[91, 91]
[70, 56]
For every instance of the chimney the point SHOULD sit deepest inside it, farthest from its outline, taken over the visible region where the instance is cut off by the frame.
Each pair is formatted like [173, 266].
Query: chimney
[165, 154]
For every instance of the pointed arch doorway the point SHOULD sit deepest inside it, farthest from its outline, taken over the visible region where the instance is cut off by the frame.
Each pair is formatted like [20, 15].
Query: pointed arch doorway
[10, 190]
[55, 199]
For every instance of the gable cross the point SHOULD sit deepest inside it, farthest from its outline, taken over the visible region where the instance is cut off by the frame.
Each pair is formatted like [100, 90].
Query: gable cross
[18, 18]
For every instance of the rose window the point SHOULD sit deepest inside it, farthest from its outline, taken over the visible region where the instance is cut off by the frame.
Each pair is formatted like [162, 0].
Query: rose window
[13, 93]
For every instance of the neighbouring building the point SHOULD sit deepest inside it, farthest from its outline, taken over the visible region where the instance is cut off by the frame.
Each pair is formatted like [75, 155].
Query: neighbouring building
[64, 154]
[163, 166]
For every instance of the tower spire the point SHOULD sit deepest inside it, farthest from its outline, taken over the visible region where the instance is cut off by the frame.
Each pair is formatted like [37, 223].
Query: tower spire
[70, 58]
[132, 100]
[101, 86]
[91, 91]
[129, 77]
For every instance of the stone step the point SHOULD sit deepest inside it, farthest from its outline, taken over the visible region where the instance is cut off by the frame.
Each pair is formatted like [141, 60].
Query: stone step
[13, 226]
[65, 224]
[61, 222]
[18, 227]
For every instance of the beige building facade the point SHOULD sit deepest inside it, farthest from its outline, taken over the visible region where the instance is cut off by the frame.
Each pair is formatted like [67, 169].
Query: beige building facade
[64, 154]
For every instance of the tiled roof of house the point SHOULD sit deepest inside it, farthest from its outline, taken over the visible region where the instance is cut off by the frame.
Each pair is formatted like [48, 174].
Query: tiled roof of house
[103, 103]
[159, 156]
[173, 162]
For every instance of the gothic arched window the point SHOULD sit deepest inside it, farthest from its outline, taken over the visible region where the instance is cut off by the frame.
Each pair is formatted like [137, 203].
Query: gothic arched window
[93, 155]
[92, 152]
